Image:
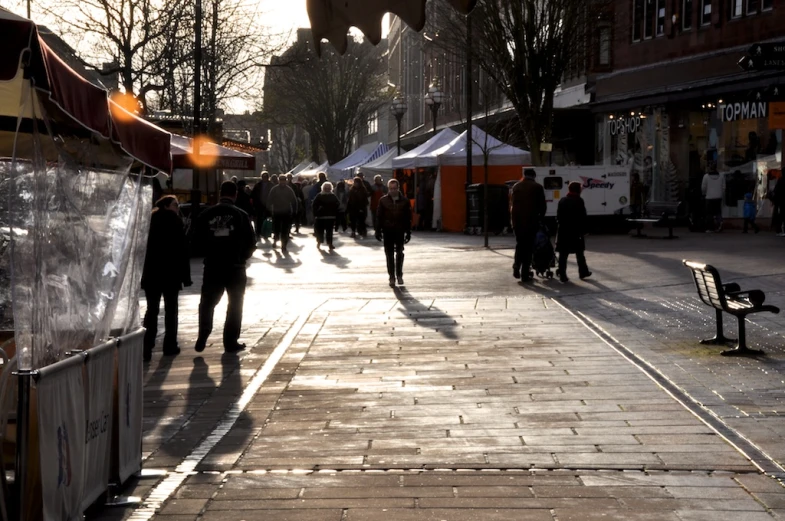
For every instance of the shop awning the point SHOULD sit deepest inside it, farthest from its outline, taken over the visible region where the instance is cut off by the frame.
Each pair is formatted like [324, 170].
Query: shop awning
[215, 155]
[331, 19]
[75, 109]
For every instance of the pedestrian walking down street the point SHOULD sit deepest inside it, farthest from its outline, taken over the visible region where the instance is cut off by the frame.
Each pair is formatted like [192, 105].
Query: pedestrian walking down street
[378, 191]
[259, 195]
[394, 227]
[357, 207]
[229, 242]
[299, 194]
[343, 199]
[777, 197]
[750, 212]
[713, 188]
[571, 217]
[243, 201]
[282, 203]
[166, 270]
[527, 211]
[325, 210]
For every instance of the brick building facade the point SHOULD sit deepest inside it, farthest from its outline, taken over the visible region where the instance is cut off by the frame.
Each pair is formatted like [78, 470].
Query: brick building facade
[674, 101]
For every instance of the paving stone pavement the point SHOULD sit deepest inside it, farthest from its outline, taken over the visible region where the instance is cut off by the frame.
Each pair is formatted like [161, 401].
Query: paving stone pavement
[428, 403]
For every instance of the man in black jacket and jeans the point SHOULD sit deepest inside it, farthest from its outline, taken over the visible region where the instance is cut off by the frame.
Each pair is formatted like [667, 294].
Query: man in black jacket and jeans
[394, 224]
[229, 242]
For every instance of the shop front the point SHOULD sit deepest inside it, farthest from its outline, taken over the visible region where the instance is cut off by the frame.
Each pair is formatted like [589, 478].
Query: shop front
[671, 146]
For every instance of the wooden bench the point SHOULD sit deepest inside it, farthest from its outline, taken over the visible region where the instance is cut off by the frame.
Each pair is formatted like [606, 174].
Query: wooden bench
[730, 299]
[662, 213]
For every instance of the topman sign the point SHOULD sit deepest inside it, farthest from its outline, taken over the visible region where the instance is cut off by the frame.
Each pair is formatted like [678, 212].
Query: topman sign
[742, 110]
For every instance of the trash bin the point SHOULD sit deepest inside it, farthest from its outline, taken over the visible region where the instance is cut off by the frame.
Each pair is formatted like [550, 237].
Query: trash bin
[498, 207]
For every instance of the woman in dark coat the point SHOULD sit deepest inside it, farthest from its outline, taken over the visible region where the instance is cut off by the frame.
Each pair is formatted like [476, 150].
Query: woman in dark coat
[571, 216]
[325, 210]
[357, 207]
[166, 269]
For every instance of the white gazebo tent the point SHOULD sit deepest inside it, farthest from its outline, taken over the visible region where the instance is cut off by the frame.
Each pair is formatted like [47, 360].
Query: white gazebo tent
[380, 166]
[305, 165]
[347, 167]
[423, 156]
[311, 173]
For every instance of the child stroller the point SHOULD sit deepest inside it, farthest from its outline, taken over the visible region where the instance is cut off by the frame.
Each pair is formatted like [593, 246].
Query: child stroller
[543, 258]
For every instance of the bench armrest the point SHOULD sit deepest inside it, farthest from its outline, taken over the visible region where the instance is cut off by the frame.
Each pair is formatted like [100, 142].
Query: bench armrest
[731, 287]
[755, 296]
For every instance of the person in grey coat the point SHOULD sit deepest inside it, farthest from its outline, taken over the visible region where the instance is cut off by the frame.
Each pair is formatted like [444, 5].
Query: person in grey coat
[282, 204]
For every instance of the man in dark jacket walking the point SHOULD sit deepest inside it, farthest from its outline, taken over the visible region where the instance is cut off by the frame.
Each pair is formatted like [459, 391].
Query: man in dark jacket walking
[282, 204]
[259, 195]
[229, 242]
[394, 225]
[528, 209]
[571, 216]
[325, 210]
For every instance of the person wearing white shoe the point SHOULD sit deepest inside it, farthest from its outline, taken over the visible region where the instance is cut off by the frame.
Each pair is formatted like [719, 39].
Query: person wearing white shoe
[394, 227]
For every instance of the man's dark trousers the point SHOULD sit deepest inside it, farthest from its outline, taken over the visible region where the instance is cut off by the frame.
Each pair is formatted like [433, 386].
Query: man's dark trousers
[282, 226]
[216, 281]
[524, 249]
[153, 297]
[393, 250]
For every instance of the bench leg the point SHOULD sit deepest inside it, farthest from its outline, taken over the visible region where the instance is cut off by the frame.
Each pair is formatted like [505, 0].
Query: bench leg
[741, 348]
[720, 338]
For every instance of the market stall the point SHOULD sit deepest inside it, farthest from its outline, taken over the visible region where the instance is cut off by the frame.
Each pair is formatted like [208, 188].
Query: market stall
[75, 210]
[346, 168]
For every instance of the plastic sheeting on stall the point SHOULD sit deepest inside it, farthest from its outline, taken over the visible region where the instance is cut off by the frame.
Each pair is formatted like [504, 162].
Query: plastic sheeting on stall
[78, 240]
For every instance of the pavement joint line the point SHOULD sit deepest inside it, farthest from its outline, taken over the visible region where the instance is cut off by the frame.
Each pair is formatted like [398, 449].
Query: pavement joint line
[399, 470]
[762, 460]
[164, 490]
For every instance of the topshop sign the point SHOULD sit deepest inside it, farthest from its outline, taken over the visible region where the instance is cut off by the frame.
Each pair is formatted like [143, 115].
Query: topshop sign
[629, 125]
[742, 110]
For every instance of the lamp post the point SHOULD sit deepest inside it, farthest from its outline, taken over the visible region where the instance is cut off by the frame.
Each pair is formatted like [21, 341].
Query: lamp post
[398, 109]
[434, 98]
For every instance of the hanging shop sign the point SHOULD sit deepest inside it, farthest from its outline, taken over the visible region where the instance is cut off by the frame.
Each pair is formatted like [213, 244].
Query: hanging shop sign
[742, 110]
[628, 124]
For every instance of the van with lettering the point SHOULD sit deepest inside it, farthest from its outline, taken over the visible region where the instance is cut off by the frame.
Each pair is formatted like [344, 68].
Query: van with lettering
[605, 189]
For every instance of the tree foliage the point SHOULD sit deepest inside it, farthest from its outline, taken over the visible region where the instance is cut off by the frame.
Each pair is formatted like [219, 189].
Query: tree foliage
[528, 47]
[330, 96]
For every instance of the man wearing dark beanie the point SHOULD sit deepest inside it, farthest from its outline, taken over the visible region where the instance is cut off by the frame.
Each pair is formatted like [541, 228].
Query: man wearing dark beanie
[528, 210]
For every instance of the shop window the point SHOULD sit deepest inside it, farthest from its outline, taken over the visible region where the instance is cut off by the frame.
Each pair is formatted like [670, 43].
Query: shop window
[705, 12]
[768, 5]
[637, 19]
[552, 183]
[660, 17]
[752, 6]
[604, 55]
[736, 8]
[686, 14]
[373, 124]
[648, 19]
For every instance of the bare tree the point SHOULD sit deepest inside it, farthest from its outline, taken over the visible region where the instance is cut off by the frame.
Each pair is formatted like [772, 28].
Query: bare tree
[330, 96]
[528, 47]
[285, 151]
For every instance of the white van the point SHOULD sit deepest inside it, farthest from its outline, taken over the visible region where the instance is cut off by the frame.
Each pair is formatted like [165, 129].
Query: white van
[605, 189]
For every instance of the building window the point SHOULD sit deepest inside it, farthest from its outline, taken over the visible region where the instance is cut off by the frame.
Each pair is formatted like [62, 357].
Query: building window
[752, 6]
[637, 19]
[660, 17]
[736, 8]
[605, 46]
[687, 14]
[373, 123]
[648, 19]
[705, 12]
[768, 5]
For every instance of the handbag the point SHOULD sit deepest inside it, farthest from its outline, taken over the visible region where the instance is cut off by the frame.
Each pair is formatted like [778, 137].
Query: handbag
[267, 228]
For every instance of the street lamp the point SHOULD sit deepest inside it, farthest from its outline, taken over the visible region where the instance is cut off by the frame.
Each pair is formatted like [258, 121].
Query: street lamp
[434, 98]
[398, 109]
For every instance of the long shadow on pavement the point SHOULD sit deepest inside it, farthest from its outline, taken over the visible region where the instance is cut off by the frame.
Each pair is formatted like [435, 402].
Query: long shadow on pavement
[335, 259]
[426, 316]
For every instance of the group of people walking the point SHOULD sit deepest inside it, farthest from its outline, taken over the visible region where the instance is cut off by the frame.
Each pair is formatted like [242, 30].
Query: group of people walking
[227, 236]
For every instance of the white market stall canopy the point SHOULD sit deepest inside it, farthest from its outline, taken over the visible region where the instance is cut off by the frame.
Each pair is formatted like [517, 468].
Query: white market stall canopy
[380, 166]
[499, 153]
[311, 173]
[347, 167]
[305, 165]
[423, 156]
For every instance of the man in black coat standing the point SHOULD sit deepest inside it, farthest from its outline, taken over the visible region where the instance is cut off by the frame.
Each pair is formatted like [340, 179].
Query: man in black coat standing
[229, 242]
[394, 225]
[527, 209]
[571, 216]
